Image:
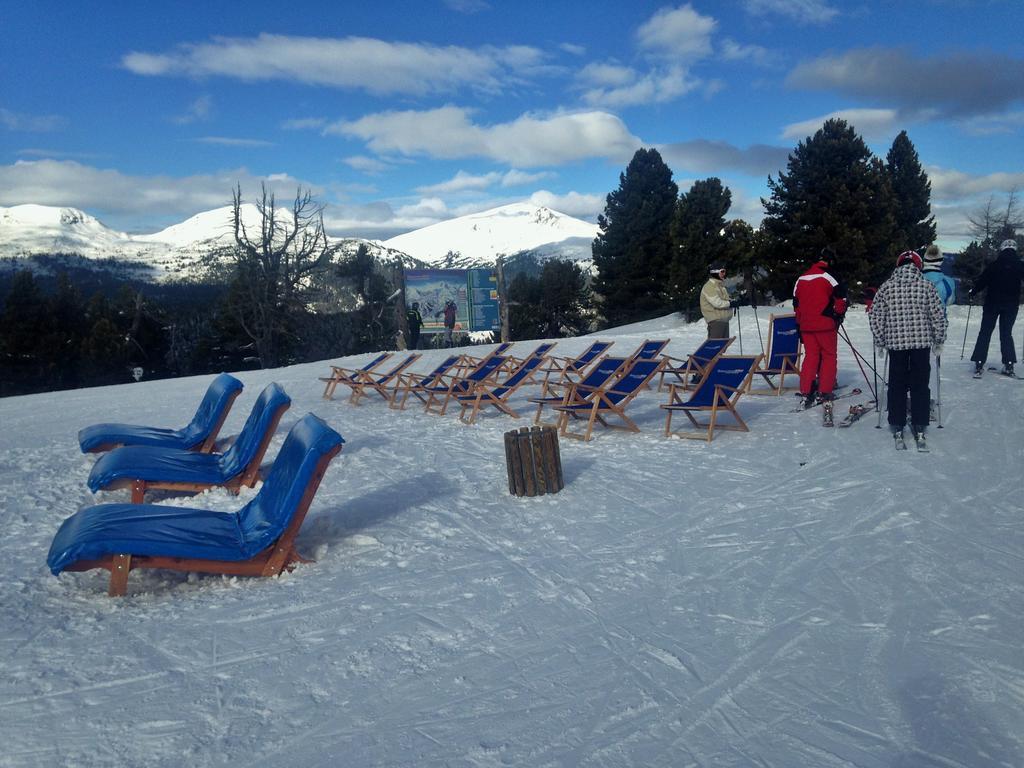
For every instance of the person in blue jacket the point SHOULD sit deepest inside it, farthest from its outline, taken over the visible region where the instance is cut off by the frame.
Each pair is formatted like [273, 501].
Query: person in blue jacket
[932, 271]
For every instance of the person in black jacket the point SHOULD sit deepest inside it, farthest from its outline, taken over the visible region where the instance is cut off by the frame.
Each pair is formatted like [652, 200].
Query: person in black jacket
[414, 320]
[1001, 282]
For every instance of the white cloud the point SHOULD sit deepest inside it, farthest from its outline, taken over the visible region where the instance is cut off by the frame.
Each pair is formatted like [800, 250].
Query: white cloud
[607, 74]
[228, 141]
[655, 87]
[677, 33]
[17, 121]
[365, 164]
[467, 182]
[197, 111]
[869, 123]
[377, 66]
[800, 11]
[304, 123]
[134, 201]
[572, 48]
[528, 141]
[756, 54]
[991, 125]
[582, 206]
[949, 184]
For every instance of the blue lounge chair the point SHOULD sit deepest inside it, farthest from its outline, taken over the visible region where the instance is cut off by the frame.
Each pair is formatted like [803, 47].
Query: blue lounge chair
[611, 400]
[720, 390]
[650, 349]
[438, 395]
[569, 370]
[783, 356]
[563, 394]
[512, 362]
[142, 467]
[382, 383]
[257, 540]
[339, 374]
[692, 369]
[481, 395]
[414, 383]
[200, 434]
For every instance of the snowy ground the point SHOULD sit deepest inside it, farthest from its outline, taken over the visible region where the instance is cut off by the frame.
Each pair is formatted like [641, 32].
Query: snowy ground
[794, 596]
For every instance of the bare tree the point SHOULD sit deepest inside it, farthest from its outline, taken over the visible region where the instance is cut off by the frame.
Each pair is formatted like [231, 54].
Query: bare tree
[992, 223]
[275, 262]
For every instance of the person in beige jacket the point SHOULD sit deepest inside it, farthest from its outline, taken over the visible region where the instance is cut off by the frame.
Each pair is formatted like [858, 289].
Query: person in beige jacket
[715, 304]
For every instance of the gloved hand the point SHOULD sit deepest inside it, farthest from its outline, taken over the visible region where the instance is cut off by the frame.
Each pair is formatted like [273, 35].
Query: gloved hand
[735, 303]
[937, 350]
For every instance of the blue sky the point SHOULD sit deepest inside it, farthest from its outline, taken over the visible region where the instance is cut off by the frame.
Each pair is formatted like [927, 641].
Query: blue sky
[398, 114]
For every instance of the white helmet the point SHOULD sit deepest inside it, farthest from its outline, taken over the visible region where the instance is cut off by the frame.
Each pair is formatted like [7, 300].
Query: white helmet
[1008, 244]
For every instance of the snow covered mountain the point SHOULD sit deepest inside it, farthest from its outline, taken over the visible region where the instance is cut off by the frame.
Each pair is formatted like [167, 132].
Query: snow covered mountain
[475, 240]
[479, 238]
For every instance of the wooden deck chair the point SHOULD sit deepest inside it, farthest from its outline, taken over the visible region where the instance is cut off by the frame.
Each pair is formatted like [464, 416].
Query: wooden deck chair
[199, 435]
[650, 349]
[568, 370]
[599, 375]
[469, 362]
[727, 378]
[413, 383]
[142, 467]
[481, 395]
[610, 401]
[438, 395]
[257, 540]
[693, 367]
[783, 356]
[382, 384]
[512, 363]
[339, 374]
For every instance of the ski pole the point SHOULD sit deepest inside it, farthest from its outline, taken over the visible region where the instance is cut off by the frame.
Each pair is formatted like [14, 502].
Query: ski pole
[758, 322]
[857, 356]
[885, 362]
[874, 360]
[739, 326]
[938, 389]
[964, 345]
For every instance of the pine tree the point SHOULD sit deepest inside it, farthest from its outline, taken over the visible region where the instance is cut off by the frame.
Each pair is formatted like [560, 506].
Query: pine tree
[564, 299]
[834, 193]
[697, 236]
[915, 225]
[632, 248]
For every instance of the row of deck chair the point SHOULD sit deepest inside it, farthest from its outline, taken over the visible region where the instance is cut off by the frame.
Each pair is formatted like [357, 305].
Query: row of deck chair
[256, 540]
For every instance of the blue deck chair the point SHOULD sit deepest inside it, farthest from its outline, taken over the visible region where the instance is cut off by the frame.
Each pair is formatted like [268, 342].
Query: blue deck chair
[382, 383]
[200, 434]
[481, 395]
[783, 356]
[721, 388]
[257, 540]
[611, 400]
[339, 374]
[413, 383]
[469, 363]
[141, 467]
[568, 370]
[692, 369]
[447, 386]
[574, 392]
[650, 349]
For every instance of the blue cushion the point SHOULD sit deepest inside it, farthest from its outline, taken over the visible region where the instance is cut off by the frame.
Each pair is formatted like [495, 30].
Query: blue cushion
[218, 397]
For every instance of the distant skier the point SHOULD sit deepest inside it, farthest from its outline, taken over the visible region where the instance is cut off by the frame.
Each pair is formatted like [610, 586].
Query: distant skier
[715, 304]
[414, 320]
[1001, 282]
[932, 270]
[907, 319]
[819, 300]
[450, 313]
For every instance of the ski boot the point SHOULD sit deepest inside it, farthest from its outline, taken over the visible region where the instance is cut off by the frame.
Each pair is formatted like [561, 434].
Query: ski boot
[826, 414]
[897, 434]
[919, 438]
[1007, 369]
[978, 368]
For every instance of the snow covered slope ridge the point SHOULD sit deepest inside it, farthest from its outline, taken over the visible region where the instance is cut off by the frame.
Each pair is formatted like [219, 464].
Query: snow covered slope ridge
[482, 237]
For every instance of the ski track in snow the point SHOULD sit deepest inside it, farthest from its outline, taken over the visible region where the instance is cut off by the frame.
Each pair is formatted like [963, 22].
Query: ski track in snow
[795, 596]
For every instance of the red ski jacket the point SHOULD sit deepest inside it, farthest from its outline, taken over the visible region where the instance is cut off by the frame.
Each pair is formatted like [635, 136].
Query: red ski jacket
[817, 306]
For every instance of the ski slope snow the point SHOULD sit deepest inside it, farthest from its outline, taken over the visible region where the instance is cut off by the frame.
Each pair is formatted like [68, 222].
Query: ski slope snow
[794, 596]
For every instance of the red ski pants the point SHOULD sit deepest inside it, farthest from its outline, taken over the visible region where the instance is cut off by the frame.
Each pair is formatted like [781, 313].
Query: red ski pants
[819, 361]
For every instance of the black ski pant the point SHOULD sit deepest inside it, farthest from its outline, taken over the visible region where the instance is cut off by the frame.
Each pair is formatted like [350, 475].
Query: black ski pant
[910, 371]
[1006, 314]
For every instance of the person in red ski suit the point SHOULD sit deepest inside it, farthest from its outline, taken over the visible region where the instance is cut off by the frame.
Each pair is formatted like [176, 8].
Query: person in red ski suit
[819, 300]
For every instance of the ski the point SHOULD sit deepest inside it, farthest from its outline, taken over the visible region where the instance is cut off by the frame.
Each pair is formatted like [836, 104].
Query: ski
[1001, 373]
[826, 414]
[856, 411]
[804, 407]
[977, 374]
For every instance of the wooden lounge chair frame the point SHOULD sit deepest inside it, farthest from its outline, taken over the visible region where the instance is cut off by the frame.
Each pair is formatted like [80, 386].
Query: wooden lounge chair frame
[695, 364]
[482, 395]
[606, 369]
[361, 381]
[340, 374]
[787, 364]
[448, 386]
[413, 383]
[469, 363]
[570, 370]
[512, 363]
[724, 399]
[609, 401]
[272, 561]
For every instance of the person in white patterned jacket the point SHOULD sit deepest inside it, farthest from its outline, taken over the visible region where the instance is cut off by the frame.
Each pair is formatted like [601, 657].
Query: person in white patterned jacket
[908, 321]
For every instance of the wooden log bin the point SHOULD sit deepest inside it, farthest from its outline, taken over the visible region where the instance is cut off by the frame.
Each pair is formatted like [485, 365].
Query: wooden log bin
[533, 460]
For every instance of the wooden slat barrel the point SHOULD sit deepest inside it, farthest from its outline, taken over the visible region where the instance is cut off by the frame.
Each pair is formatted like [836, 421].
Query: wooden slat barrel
[533, 460]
